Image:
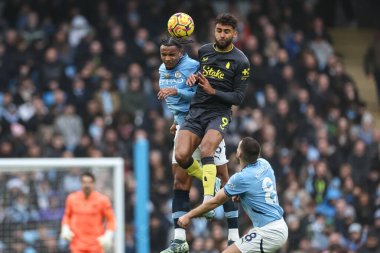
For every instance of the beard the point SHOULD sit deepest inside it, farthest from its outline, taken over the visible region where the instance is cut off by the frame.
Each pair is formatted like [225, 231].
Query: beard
[223, 44]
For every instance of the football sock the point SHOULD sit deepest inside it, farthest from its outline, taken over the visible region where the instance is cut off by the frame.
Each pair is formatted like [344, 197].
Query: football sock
[209, 174]
[231, 213]
[194, 169]
[180, 206]
[180, 234]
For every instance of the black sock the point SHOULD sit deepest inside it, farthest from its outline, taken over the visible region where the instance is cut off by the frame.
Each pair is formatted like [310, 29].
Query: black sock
[180, 205]
[187, 164]
[231, 213]
[207, 160]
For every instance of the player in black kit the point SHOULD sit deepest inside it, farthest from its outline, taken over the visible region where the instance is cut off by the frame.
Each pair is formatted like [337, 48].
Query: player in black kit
[222, 81]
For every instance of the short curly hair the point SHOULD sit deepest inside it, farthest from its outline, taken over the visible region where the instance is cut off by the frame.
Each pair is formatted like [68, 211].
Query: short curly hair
[226, 19]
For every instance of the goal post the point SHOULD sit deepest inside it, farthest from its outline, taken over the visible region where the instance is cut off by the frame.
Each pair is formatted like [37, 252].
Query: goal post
[30, 165]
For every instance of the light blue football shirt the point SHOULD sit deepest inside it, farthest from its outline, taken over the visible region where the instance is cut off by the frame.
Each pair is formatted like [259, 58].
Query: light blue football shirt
[176, 78]
[256, 187]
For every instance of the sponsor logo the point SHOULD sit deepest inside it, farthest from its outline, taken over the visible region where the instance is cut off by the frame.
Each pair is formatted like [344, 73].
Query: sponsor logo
[228, 64]
[204, 59]
[171, 82]
[211, 72]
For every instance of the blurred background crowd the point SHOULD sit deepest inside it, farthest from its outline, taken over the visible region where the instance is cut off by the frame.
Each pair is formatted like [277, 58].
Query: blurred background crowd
[80, 78]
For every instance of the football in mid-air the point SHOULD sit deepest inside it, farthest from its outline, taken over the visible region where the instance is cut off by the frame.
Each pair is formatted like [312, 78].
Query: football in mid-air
[180, 25]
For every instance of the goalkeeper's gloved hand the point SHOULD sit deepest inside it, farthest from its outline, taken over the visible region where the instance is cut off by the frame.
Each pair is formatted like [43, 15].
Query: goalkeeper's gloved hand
[106, 240]
[66, 233]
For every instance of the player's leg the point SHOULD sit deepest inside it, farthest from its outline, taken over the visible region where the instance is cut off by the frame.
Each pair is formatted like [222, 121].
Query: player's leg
[216, 127]
[209, 144]
[232, 249]
[230, 208]
[180, 203]
[187, 141]
[268, 238]
[180, 206]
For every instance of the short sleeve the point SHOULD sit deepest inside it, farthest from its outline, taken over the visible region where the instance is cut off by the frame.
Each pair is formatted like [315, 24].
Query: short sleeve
[236, 185]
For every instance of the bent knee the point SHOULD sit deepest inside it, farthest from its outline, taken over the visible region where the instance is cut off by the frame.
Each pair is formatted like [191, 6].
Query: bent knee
[181, 158]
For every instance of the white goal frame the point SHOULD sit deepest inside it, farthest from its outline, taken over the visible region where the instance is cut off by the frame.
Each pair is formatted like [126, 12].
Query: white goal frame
[29, 164]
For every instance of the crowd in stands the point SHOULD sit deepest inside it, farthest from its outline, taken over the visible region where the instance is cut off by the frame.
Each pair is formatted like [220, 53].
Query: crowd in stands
[79, 79]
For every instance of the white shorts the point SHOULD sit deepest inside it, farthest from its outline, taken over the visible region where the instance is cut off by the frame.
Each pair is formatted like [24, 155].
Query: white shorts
[219, 156]
[268, 238]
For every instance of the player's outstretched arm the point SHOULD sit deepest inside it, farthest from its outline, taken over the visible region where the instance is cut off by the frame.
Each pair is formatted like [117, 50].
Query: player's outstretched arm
[219, 199]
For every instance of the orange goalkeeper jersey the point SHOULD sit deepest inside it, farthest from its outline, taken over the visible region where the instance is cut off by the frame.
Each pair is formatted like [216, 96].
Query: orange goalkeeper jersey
[85, 218]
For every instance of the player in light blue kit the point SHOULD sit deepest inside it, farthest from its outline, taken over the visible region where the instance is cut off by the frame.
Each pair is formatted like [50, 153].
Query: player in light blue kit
[176, 67]
[255, 187]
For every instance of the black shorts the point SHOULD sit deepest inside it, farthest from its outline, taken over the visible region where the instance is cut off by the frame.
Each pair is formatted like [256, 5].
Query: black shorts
[199, 121]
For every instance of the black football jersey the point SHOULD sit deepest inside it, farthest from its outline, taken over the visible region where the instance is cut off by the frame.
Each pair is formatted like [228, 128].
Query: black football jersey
[228, 74]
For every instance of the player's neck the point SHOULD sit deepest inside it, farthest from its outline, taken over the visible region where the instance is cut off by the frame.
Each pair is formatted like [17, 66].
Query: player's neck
[226, 49]
[243, 164]
[87, 194]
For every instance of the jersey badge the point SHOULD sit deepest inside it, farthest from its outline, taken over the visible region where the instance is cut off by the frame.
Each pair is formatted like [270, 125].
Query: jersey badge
[177, 74]
[245, 74]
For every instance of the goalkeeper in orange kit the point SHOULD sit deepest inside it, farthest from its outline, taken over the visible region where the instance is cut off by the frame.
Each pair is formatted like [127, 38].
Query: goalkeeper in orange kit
[83, 221]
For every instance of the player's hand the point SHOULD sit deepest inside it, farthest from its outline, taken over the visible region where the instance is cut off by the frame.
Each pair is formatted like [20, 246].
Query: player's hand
[166, 92]
[66, 233]
[205, 85]
[173, 128]
[192, 79]
[235, 198]
[106, 240]
[184, 221]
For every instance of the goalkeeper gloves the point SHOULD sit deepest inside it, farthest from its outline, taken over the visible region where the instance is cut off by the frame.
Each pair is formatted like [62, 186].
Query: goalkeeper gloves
[66, 233]
[106, 240]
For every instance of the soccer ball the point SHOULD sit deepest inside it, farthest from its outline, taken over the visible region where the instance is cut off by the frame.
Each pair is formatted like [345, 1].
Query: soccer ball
[180, 25]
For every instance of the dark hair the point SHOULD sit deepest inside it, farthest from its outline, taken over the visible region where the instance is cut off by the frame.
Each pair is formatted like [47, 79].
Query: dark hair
[171, 41]
[226, 19]
[250, 149]
[88, 174]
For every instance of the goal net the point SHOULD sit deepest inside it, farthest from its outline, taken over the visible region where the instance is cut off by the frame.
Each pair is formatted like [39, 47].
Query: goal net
[33, 194]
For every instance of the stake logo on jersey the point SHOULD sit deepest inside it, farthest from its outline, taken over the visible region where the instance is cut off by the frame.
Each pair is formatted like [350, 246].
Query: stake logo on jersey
[176, 78]
[213, 73]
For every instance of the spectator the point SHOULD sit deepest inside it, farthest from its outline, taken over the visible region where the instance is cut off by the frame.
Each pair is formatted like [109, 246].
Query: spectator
[372, 62]
[70, 126]
[357, 237]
